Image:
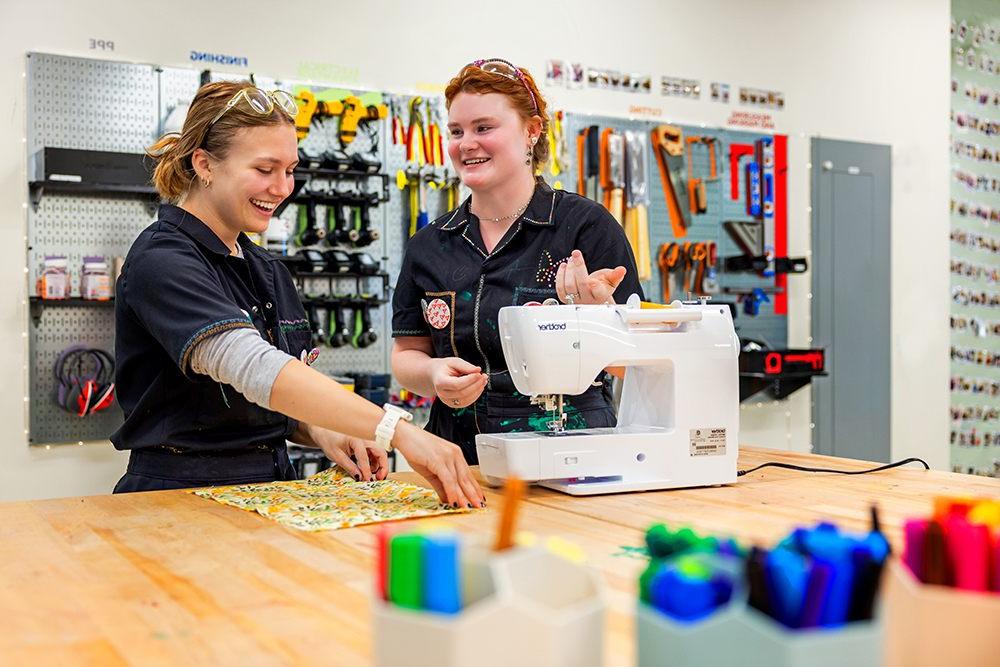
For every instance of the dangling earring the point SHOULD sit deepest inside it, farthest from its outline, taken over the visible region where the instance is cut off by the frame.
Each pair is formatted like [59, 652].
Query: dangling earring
[206, 183]
[527, 159]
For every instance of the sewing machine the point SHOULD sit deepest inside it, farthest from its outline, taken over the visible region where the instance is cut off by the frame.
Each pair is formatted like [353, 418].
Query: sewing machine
[678, 421]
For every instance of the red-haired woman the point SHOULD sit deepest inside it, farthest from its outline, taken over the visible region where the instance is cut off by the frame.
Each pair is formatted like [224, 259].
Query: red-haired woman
[210, 330]
[513, 241]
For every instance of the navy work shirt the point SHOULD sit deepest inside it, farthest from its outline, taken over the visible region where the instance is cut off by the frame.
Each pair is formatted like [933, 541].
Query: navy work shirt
[451, 289]
[179, 286]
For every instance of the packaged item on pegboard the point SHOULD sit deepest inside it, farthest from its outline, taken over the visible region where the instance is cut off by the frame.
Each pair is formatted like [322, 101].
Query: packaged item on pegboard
[95, 280]
[53, 278]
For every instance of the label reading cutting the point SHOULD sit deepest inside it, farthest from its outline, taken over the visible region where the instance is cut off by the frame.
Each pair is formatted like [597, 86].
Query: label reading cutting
[708, 442]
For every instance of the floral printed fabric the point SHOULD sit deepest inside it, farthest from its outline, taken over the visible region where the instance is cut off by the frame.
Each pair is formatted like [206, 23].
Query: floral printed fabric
[330, 500]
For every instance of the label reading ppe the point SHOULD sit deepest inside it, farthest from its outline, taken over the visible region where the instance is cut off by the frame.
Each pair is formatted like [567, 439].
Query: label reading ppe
[708, 441]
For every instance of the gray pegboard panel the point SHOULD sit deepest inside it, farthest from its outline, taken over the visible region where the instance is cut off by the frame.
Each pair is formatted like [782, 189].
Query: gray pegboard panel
[334, 361]
[57, 329]
[90, 104]
[323, 136]
[767, 326]
[397, 210]
[178, 85]
[176, 89]
[132, 102]
[83, 225]
[705, 227]
[264, 82]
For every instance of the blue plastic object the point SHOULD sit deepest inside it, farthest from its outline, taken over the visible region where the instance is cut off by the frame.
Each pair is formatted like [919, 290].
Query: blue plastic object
[440, 581]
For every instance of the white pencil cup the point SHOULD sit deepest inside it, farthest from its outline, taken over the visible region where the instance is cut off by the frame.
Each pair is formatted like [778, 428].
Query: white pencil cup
[741, 635]
[519, 607]
[937, 625]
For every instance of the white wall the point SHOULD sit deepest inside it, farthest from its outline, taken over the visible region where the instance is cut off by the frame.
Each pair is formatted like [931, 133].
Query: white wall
[874, 72]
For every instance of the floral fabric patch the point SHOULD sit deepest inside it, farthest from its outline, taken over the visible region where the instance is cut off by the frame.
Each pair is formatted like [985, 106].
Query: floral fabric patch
[330, 500]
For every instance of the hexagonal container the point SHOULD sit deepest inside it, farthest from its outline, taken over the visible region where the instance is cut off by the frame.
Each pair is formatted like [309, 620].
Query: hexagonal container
[741, 635]
[929, 625]
[521, 606]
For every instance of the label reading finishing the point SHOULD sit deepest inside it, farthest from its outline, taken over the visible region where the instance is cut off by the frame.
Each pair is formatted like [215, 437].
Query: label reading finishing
[708, 441]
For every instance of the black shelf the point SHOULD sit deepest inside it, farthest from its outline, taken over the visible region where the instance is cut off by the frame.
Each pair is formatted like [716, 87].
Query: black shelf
[38, 188]
[79, 172]
[337, 173]
[37, 304]
[778, 386]
[779, 372]
[327, 301]
[331, 274]
[304, 174]
[359, 280]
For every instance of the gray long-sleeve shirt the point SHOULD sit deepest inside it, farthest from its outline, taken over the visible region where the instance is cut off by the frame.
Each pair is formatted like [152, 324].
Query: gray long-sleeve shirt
[243, 360]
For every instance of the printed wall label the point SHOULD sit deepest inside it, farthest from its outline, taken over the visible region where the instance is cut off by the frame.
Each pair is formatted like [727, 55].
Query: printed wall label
[219, 58]
[745, 119]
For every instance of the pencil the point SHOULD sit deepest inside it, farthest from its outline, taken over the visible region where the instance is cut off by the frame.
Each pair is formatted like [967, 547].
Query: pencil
[513, 490]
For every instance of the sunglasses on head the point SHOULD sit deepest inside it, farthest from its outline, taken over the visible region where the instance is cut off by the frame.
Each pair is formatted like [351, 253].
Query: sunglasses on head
[260, 102]
[505, 69]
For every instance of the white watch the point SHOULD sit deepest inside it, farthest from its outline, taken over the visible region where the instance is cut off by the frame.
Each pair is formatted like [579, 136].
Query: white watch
[387, 427]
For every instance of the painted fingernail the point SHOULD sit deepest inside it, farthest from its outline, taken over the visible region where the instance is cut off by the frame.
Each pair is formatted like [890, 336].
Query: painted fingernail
[454, 505]
[357, 477]
[482, 504]
[372, 478]
[469, 505]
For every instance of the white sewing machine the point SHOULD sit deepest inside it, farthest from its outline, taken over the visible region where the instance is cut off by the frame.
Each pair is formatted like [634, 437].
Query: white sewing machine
[678, 423]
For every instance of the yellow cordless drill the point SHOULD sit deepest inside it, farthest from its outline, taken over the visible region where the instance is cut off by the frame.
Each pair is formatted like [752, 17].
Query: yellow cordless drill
[350, 109]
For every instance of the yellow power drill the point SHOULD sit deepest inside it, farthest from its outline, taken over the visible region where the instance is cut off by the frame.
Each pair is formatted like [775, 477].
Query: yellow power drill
[350, 109]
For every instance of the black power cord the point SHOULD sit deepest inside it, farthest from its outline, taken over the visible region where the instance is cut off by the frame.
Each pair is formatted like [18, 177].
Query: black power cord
[789, 466]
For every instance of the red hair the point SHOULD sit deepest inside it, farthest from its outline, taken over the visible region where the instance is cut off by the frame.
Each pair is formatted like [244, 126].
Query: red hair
[474, 80]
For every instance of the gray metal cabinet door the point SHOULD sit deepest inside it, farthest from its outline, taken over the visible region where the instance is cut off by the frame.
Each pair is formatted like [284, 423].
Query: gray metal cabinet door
[851, 190]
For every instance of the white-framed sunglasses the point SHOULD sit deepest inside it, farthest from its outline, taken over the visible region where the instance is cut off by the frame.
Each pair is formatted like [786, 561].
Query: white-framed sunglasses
[261, 102]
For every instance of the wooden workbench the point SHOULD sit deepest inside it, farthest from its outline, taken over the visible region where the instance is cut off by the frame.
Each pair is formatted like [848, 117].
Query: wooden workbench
[170, 578]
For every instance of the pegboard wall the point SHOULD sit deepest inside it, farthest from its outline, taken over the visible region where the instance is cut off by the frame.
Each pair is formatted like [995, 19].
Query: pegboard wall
[767, 326]
[99, 105]
[975, 238]
[93, 105]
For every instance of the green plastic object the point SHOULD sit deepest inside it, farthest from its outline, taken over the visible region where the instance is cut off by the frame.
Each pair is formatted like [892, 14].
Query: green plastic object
[405, 570]
[659, 541]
